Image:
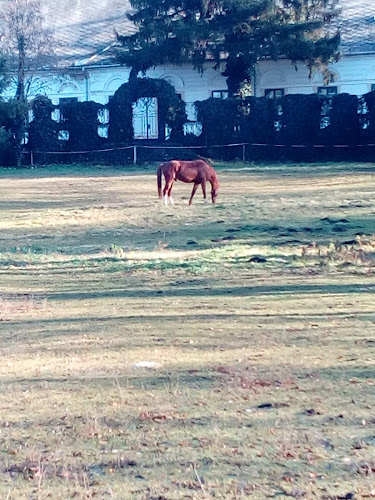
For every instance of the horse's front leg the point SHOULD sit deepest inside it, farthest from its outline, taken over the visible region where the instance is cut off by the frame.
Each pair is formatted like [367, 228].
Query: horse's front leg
[195, 187]
[204, 191]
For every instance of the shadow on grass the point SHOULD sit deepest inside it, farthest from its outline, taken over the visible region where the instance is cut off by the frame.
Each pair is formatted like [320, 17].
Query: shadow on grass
[348, 373]
[202, 319]
[243, 291]
[206, 231]
[160, 379]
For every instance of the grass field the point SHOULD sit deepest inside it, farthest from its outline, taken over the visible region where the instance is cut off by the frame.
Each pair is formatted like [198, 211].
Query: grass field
[195, 352]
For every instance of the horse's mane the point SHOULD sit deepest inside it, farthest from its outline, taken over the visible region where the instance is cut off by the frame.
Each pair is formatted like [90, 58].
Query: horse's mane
[207, 160]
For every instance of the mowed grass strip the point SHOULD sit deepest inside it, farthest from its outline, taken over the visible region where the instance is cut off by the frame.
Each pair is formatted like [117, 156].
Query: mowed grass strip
[206, 352]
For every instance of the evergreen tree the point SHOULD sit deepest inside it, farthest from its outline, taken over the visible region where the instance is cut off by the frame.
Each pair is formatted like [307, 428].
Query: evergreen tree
[235, 34]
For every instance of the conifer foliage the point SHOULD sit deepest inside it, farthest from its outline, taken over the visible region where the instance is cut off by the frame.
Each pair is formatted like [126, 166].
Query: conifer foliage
[235, 34]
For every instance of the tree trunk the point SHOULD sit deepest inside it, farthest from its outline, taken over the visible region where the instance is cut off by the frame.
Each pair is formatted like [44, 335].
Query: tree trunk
[21, 97]
[133, 74]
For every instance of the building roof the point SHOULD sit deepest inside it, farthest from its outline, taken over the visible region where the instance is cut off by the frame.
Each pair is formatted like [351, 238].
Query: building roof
[357, 26]
[84, 29]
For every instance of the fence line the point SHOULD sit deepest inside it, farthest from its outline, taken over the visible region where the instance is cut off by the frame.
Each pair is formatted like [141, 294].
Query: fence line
[242, 144]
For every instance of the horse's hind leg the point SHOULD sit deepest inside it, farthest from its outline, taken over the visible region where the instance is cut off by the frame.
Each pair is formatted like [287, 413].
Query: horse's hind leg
[170, 195]
[167, 190]
[195, 187]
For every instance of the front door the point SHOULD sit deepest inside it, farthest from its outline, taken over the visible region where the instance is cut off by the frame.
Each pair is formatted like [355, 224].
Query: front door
[145, 118]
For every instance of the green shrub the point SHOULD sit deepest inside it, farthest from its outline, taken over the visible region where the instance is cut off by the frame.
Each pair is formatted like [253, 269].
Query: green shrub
[369, 133]
[344, 125]
[12, 122]
[300, 119]
[43, 131]
[80, 119]
[171, 109]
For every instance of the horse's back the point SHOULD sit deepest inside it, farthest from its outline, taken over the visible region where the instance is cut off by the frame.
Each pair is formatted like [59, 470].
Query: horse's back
[201, 168]
[188, 170]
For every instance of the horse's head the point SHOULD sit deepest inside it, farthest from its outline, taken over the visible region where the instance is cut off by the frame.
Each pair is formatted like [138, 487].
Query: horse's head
[214, 193]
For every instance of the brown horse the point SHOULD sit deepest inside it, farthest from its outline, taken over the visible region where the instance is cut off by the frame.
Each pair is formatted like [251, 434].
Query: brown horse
[197, 171]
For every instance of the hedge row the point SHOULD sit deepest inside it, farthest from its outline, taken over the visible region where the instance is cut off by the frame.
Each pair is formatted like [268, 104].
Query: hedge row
[294, 119]
[302, 120]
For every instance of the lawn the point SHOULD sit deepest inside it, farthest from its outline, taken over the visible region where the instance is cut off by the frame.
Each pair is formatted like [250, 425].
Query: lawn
[214, 351]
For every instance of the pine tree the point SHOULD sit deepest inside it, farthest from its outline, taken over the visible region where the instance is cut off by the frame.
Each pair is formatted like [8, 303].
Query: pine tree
[235, 34]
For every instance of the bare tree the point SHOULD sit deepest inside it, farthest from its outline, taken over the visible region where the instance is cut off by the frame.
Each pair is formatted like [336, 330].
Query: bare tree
[28, 47]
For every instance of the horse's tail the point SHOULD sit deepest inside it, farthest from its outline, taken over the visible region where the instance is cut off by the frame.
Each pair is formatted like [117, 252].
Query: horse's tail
[160, 173]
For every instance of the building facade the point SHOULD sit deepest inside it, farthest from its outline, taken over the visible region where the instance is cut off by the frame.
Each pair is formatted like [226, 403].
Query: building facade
[85, 70]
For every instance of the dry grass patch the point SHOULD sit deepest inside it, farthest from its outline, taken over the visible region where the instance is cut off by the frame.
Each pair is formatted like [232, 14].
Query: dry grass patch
[255, 317]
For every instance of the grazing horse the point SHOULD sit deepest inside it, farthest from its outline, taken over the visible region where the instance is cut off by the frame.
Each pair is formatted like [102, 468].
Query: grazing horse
[197, 171]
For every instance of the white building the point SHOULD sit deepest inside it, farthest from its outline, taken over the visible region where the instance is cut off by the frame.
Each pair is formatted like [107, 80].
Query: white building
[85, 70]
[354, 73]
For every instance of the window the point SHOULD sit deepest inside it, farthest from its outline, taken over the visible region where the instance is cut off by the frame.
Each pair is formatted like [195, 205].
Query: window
[274, 93]
[220, 94]
[145, 118]
[103, 131]
[103, 116]
[62, 102]
[63, 135]
[67, 100]
[56, 115]
[327, 91]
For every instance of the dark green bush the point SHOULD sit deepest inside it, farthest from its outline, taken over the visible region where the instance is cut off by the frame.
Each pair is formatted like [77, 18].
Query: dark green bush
[344, 125]
[262, 117]
[171, 109]
[12, 122]
[43, 131]
[80, 119]
[292, 120]
[369, 133]
[300, 119]
[219, 118]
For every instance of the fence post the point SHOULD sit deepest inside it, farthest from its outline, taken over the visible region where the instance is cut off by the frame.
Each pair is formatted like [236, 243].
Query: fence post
[135, 155]
[244, 152]
[31, 159]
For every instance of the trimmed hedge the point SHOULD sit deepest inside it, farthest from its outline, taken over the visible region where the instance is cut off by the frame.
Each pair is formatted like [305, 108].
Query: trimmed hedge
[369, 132]
[12, 115]
[43, 131]
[80, 119]
[293, 120]
[171, 110]
[344, 125]
[302, 120]
[219, 119]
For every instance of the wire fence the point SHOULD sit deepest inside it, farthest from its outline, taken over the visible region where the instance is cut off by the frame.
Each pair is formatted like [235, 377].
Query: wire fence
[136, 154]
